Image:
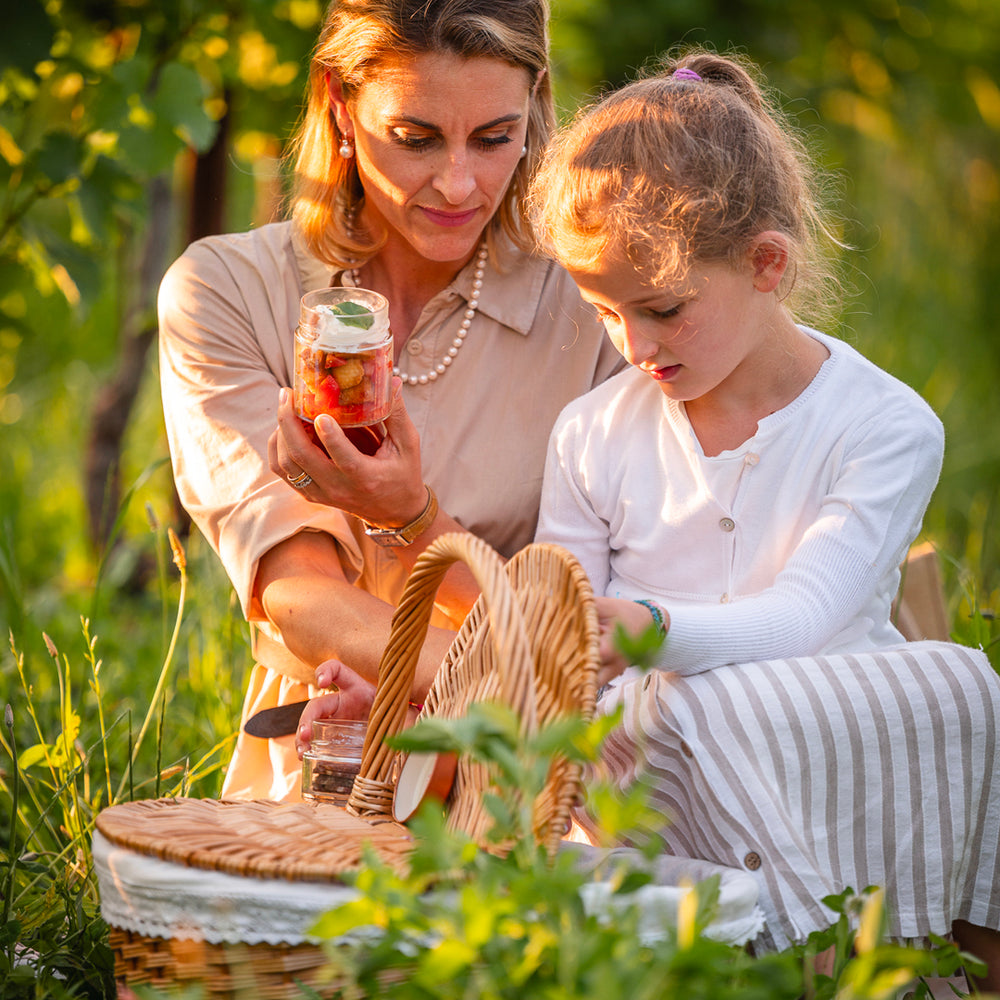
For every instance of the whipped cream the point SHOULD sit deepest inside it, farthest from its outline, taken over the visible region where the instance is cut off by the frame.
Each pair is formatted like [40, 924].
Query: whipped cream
[335, 332]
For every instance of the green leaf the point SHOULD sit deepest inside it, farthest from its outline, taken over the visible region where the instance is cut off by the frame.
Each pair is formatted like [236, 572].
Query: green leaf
[633, 882]
[106, 186]
[108, 107]
[445, 961]
[343, 919]
[640, 650]
[353, 314]
[37, 754]
[27, 36]
[147, 152]
[179, 100]
[59, 157]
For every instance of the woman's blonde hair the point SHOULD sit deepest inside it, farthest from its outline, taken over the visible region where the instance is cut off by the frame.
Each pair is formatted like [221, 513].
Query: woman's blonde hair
[356, 36]
[687, 165]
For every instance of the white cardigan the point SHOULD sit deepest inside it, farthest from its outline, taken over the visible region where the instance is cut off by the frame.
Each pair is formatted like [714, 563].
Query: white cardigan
[789, 545]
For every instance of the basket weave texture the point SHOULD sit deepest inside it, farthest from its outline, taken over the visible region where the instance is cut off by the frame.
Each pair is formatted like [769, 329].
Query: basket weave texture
[531, 641]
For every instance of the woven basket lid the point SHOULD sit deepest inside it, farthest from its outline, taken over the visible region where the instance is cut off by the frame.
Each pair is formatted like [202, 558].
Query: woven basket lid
[299, 842]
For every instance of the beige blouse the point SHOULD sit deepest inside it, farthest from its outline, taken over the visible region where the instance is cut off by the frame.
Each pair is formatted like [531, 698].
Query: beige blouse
[228, 308]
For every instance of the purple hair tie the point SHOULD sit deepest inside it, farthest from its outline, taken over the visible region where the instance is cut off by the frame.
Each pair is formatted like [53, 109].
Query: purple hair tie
[686, 74]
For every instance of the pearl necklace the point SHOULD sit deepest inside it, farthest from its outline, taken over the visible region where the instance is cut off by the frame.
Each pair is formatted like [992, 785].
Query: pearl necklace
[463, 331]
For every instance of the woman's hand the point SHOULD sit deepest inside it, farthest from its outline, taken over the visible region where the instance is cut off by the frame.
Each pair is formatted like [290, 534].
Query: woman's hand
[386, 488]
[634, 618]
[351, 698]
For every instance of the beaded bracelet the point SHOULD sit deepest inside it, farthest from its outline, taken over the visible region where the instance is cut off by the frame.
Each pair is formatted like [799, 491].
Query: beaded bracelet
[657, 612]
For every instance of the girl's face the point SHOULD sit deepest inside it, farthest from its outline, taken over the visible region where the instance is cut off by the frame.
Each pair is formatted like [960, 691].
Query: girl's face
[437, 139]
[696, 340]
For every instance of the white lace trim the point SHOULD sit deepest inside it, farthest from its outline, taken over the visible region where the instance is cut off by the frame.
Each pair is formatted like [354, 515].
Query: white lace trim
[159, 898]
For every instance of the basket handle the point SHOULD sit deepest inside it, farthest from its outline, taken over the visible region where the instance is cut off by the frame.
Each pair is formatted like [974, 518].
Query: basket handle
[372, 792]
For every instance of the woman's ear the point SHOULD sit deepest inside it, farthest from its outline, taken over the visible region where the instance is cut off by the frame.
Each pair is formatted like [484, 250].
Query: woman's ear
[769, 260]
[338, 105]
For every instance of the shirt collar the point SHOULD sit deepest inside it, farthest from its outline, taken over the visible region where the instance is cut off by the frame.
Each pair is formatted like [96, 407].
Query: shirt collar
[313, 272]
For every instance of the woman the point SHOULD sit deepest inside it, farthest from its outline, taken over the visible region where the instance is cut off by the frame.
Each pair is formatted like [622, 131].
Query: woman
[423, 126]
[750, 486]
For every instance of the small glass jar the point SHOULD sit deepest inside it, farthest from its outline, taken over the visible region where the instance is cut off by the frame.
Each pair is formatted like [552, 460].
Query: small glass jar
[333, 760]
[343, 357]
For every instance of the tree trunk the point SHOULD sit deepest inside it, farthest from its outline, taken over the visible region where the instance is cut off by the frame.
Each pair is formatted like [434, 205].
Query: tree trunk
[116, 400]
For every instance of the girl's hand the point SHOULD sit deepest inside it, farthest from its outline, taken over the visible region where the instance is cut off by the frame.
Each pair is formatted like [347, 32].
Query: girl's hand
[634, 619]
[351, 699]
[386, 488]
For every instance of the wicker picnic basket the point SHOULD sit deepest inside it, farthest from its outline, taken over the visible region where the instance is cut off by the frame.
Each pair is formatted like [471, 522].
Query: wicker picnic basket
[530, 640]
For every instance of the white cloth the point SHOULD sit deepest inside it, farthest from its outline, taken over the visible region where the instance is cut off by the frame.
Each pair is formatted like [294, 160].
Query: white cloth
[737, 917]
[789, 545]
[166, 899]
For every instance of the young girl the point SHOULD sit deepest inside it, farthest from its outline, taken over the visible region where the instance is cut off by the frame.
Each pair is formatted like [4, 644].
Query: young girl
[751, 486]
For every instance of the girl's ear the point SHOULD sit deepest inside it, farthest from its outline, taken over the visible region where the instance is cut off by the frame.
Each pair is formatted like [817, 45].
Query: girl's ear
[769, 260]
[339, 106]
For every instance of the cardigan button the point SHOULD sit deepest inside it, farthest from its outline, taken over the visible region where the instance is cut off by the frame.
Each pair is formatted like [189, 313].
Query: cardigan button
[727, 524]
[753, 861]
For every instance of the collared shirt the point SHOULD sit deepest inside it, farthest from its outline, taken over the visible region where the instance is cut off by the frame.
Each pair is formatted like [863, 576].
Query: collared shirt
[228, 309]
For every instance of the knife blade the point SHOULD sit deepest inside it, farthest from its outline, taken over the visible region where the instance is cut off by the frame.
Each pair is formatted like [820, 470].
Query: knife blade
[282, 720]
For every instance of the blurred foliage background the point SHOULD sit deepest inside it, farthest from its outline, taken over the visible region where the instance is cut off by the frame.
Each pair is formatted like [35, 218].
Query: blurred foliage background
[129, 127]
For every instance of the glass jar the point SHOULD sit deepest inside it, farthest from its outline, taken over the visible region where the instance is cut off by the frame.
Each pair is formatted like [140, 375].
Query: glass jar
[343, 357]
[333, 760]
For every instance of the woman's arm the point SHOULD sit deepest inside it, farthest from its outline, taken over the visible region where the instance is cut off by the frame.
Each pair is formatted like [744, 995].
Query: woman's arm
[303, 590]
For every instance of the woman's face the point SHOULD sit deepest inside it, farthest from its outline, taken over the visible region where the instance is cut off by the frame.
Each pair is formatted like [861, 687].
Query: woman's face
[437, 139]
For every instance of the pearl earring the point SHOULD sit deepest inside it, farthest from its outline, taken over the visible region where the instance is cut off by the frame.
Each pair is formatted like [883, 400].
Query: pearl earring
[524, 152]
[346, 148]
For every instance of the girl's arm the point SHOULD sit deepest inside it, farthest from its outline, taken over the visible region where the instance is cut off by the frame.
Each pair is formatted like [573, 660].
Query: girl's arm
[844, 569]
[841, 569]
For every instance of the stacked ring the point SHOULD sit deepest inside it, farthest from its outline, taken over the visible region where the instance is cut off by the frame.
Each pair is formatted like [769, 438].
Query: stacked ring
[301, 481]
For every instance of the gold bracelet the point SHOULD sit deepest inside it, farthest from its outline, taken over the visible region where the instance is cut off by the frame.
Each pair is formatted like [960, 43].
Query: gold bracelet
[395, 537]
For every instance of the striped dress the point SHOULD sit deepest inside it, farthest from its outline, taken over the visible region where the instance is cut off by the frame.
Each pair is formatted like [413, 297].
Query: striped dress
[820, 773]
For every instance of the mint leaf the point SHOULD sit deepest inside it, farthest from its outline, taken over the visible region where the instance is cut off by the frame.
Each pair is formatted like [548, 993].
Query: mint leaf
[353, 314]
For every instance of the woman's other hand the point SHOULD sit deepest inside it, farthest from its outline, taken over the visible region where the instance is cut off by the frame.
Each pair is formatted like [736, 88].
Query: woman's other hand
[352, 699]
[386, 488]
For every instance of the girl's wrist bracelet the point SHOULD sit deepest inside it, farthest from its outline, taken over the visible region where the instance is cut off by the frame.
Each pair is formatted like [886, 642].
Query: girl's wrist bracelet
[657, 612]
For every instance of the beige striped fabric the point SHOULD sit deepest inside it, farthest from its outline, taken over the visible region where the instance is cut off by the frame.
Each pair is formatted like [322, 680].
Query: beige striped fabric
[817, 774]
